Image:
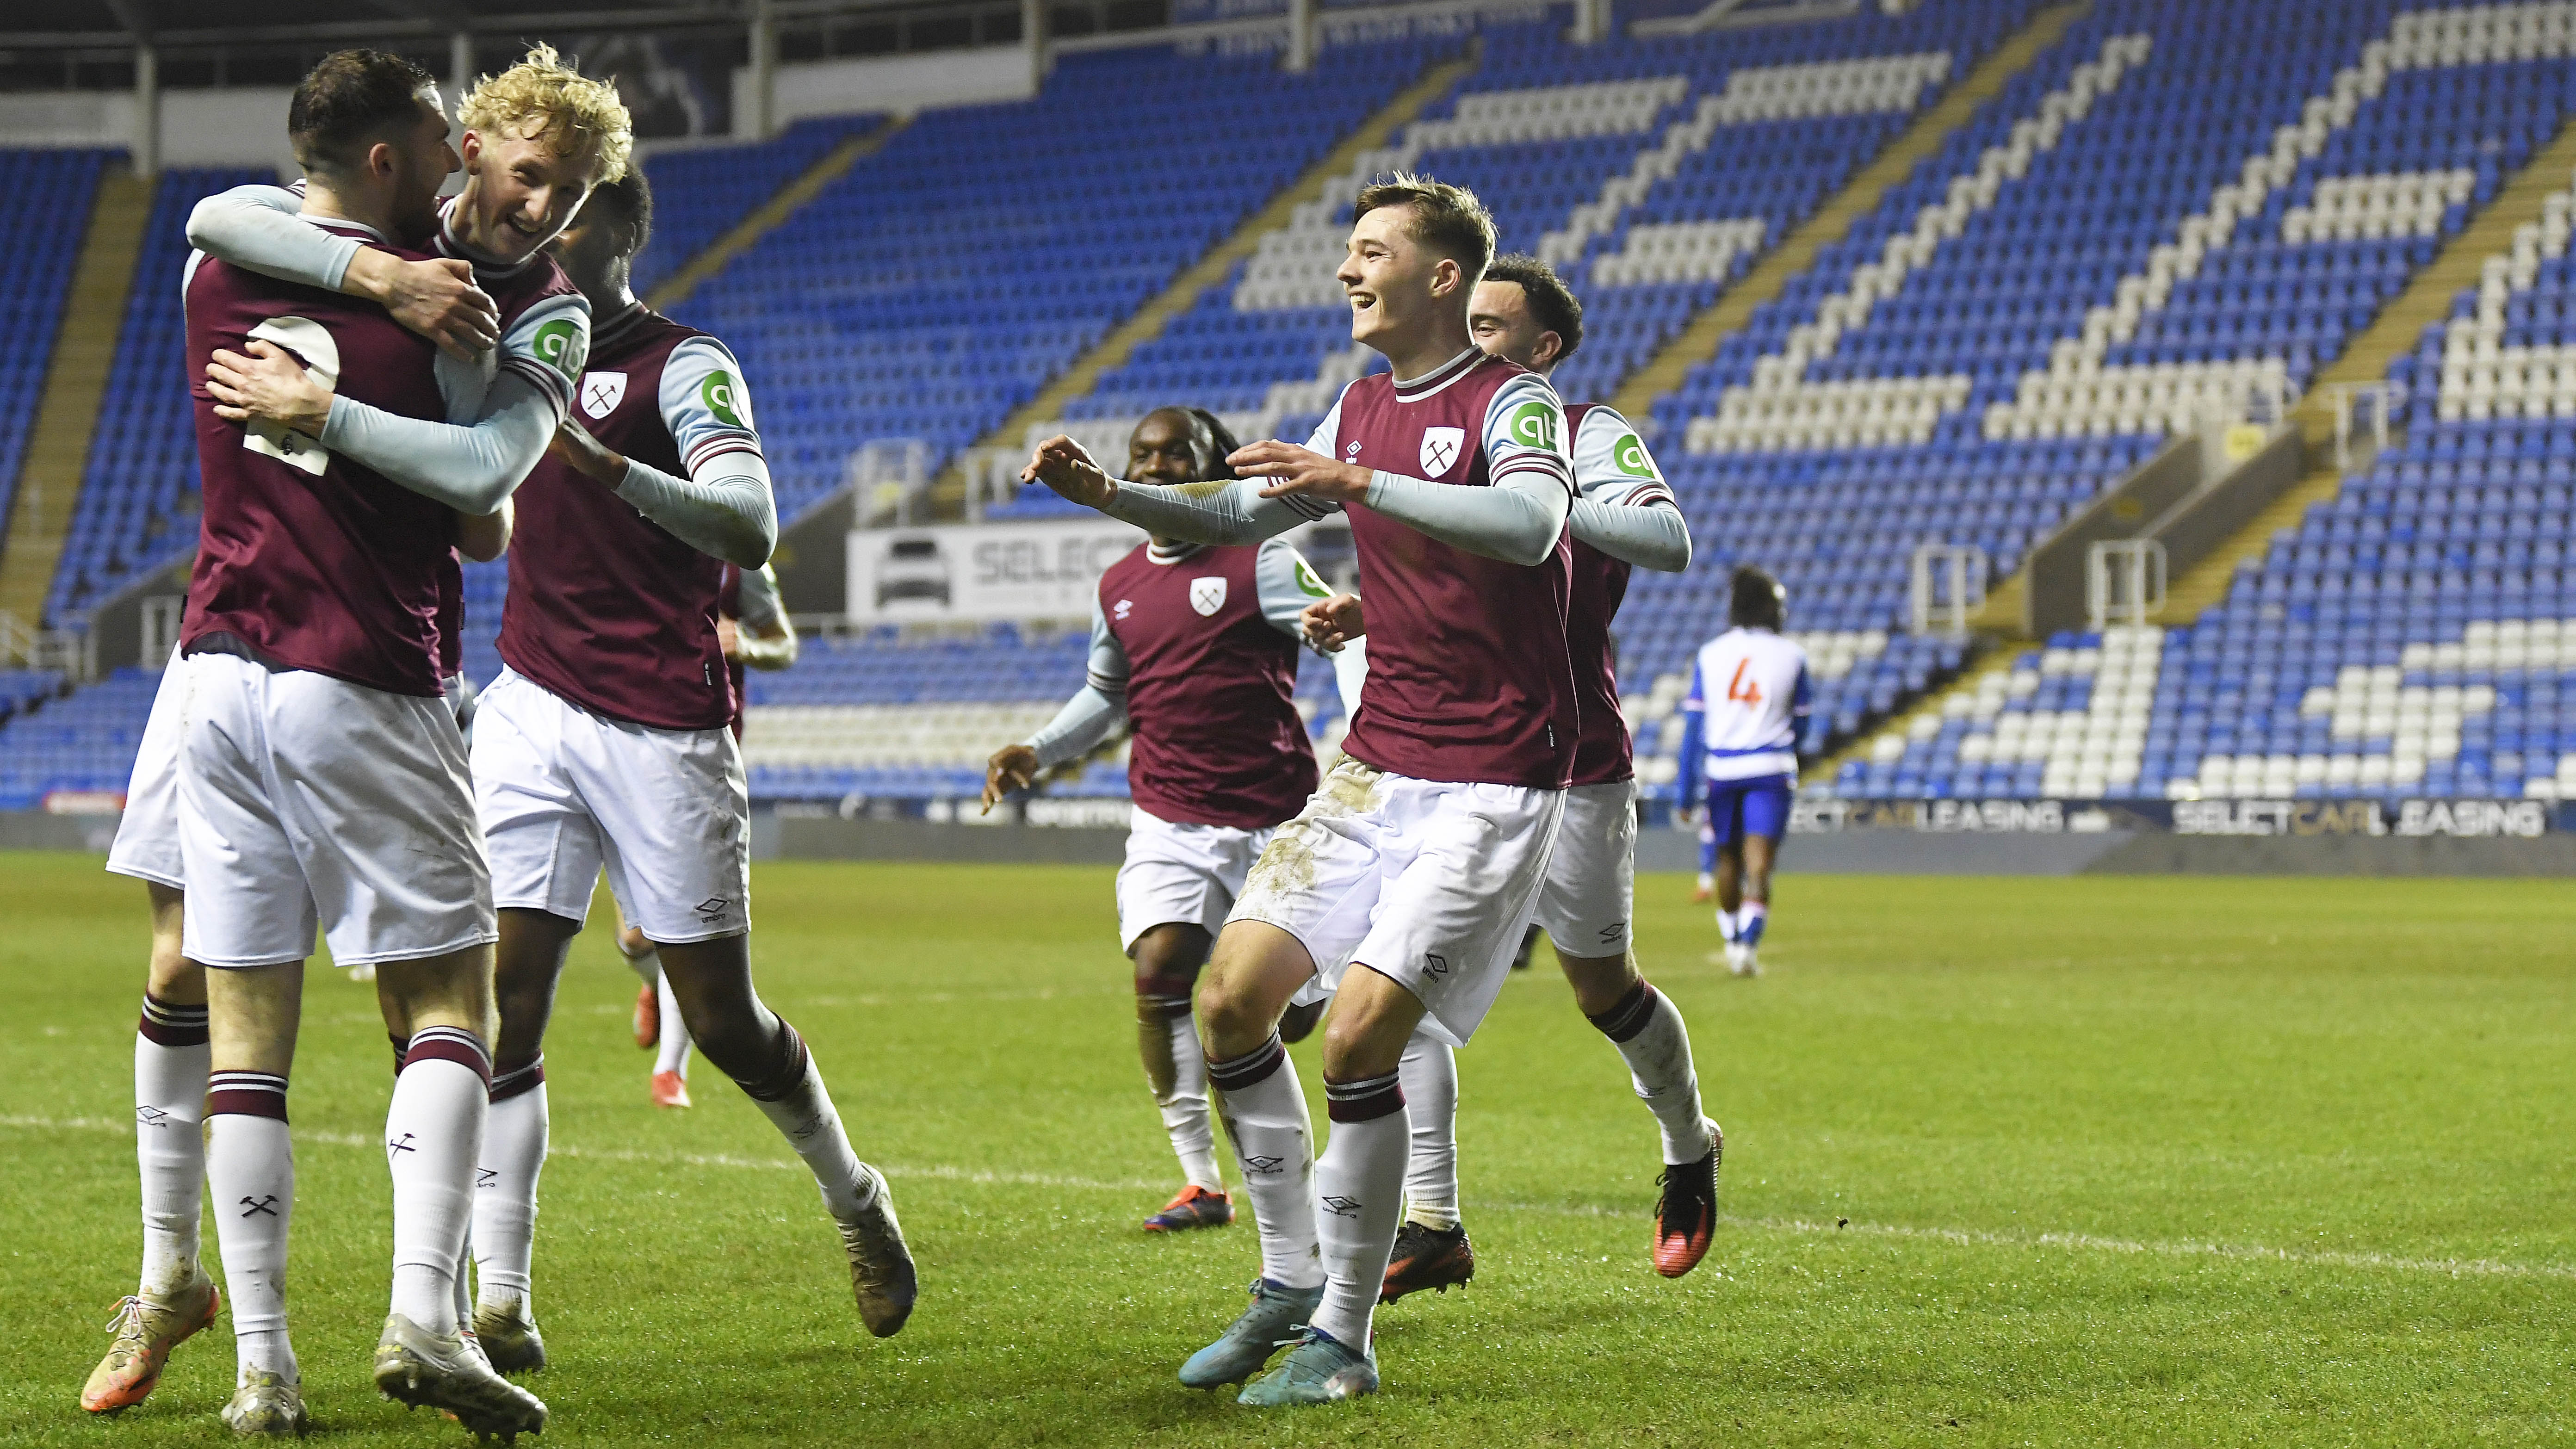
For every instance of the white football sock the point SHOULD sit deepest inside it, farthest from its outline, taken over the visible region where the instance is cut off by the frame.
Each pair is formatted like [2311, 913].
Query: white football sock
[1430, 1075]
[1359, 1189]
[1176, 1073]
[671, 1053]
[433, 1138]
[805, 1116]
[1726, 926]
[1265, 1115]
[505, 1184]
[250, 1167]
[170, 1064]
[1647, 1029]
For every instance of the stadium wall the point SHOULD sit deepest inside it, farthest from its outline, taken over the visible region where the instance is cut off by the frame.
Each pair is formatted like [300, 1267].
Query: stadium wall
[899, 83]
[231, 126]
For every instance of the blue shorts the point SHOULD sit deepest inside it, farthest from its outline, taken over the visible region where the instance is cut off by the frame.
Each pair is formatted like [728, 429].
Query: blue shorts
[1749, 807]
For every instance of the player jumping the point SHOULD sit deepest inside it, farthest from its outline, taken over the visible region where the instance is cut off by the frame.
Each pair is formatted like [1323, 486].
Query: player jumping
[1748, 696]
[1407, 880]
[1625, 516]
[1196, 647]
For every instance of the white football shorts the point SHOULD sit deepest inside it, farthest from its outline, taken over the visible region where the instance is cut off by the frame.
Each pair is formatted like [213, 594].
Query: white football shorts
[565, 794]
[1591, 878]
[147, 837]
[309, 801]
[1429, 883]
[1185, 873]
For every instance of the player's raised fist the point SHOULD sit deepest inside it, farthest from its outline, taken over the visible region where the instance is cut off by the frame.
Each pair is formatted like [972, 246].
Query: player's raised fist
[1065, 466]
[435, 297]
[1333, 622]
[1012, 767]
[1293, 469]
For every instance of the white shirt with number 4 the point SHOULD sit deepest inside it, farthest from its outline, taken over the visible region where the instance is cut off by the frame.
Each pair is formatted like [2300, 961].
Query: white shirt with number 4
[1750, 689]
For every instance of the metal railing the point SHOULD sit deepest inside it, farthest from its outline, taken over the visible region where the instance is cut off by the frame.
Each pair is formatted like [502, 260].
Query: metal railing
[887, 476]
[1949, 585]
[2124, 582]
[70, 650]
[2380, 399]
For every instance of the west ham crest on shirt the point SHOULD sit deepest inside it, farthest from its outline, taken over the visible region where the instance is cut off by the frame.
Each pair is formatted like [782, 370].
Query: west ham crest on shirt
[1441, 448]
[1207, 595]
[601, 392]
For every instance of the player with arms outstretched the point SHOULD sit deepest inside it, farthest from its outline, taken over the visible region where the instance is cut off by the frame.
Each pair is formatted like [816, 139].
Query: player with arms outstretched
[1196, 648]
[1405, 883]
[1624, 517]
[1748, 695]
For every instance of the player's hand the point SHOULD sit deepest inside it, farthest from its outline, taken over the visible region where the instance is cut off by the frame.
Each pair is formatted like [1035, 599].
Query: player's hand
[268, 385]
[574, 447]
[1293, 469]
[435, 297]
[729, 639]
[1332, 623]
[1065, 466]
[1013, 767]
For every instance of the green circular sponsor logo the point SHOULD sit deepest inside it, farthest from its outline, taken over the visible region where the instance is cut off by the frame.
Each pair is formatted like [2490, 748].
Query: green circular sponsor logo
[717, 392]
[562, 346]
[1534, 426]
[1629, 456]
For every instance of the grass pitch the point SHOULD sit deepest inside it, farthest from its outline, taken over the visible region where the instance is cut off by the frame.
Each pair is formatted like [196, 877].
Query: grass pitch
[2115, 1161]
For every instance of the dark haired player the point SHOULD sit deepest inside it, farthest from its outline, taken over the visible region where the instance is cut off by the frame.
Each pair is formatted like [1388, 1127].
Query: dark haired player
[1195, 646]
[1749, 693]
[321, 775]
[1625, 516]
[1405, 883]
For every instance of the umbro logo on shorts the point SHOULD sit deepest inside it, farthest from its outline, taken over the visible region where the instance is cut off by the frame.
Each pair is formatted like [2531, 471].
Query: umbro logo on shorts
[1261, 1164]
[1613, 935]
[1340, 1206]
[713, 908]
[1435, 963]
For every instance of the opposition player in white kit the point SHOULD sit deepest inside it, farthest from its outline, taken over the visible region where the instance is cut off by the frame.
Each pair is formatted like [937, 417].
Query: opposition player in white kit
[321, 774]
[1625, 516]
[1195, 647]
[1405, 883]
[1749, 693]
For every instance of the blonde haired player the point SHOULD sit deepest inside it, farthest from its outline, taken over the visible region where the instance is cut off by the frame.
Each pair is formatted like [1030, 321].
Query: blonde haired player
[1749, 691]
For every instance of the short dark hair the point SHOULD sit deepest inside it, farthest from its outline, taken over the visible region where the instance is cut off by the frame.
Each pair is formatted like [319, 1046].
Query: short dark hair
[1755, 599]
[349, 102]
[1555, 306]
[629, 199]
[1447, 218]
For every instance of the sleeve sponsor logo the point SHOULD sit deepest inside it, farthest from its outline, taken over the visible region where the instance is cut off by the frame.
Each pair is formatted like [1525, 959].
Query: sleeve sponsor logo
[562, 345]
[723, 399]
[1309, 583]
[1535, 425]
[1629, 456]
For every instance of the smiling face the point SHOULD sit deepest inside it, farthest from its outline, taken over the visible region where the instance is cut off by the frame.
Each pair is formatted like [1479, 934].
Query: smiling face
[1398, 286]
[521, 191]
[1170, 446]
[1500, 319]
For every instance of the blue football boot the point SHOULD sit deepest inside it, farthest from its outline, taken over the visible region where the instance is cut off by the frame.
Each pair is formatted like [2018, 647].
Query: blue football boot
[1318, 1370]
[1241, 1350]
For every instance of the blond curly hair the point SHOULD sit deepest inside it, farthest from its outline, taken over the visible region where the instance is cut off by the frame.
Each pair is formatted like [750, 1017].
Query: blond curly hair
[542, 96]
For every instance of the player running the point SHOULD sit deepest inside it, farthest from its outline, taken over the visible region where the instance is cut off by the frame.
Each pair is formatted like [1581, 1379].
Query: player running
[1406, 881]
[754, 632]
[1196, 647]
[321, 776]
[1740, 748]
[1625, 516]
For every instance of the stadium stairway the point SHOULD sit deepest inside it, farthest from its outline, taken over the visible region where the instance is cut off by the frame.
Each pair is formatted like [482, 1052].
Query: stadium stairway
[719, 254]
[948, 496]
[1796, 252]
[67, 410]
[2426, 299]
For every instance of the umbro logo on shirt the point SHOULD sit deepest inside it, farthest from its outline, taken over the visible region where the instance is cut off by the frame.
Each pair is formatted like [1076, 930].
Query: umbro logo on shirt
[1125, 608]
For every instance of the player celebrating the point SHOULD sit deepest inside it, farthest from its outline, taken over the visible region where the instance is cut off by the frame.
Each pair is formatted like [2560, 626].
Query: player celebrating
[1625, 515]
[1197, 648]
[321, 777]
[1407, 880]
[1740, 747]
[753, 630]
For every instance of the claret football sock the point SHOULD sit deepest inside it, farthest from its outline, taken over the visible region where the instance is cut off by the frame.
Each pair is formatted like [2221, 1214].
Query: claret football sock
[796, 1102]
[505, 1184]
[170, 1063]
[433, 1139]
[1358, 1188]
[1648, 1031]
[1265, 1116]
[1429, 1072]
[250, 1170]
[1176, 1072]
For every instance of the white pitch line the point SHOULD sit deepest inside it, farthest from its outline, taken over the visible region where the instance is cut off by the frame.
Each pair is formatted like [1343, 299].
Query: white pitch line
[1964, 1237]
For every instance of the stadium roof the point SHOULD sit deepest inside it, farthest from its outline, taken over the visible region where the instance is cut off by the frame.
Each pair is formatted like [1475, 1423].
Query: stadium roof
[89, 23]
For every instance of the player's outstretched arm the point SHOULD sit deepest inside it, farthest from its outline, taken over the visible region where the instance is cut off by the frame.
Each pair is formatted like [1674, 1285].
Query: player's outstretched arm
[724, 509]
[1623, 507]
[1086, 719]
[1517, 520]
[1655, 536]
[261, 229]
[471, 469]
[1221, 512]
